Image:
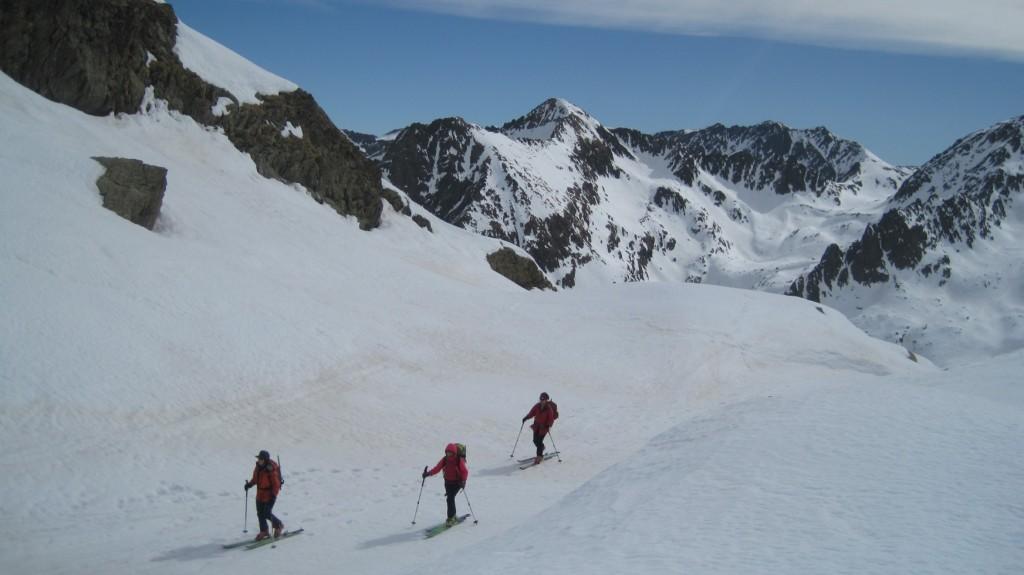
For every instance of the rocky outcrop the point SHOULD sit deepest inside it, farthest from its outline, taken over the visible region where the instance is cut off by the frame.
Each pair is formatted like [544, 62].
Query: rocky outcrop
[889, 245]
[964, 194]
[132, 189]
[89, 55]
[444, 147]
[322, 159]
[957, 198]
[521, 270]
[99, 56]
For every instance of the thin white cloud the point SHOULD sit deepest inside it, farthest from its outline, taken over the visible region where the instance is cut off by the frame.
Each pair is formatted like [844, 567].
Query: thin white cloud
[990, 27]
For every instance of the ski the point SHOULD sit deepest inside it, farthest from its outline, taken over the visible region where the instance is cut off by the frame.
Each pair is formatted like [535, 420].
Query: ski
[272, 540]
[529, 462]
[441, 528]
[546, 456]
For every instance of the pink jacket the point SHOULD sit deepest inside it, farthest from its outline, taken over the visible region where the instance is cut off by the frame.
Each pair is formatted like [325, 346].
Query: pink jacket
[454, 466]
[543, 417]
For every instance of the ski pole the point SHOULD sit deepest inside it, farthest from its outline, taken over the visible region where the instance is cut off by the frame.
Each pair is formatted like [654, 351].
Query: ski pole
[517, 439]
[422, 482]
[470, 504]
[553, 446]
[245, 521]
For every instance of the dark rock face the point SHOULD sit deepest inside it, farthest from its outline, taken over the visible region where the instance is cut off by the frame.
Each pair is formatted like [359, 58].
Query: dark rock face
[88, 55]
[889, 244]
[964, 193]
[445, 144]
[323, 159]
[395, 199]
[956, 199]
[132, 189]
[523, 271]
[768, 156]
[422, 222]
[99, 56]
[826, 272]
[670, 200]
[95, 55]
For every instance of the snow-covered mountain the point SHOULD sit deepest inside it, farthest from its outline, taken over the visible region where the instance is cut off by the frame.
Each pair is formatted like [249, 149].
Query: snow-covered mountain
[748, 207]
[941, 270]
[751, 207]
[702, 428]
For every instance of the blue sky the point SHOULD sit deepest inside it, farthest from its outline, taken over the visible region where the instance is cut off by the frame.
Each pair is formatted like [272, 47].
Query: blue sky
[904, 90]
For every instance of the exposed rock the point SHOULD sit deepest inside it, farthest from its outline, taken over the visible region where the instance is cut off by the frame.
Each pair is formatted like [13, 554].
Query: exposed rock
[522, 270]
[670, 200]
[551, 180]
[99, 56]
[88, 55]
[422, 222]
[960, 196]
[964, 193]
[396, 201]
[441, 147]
[132, 189]
[323, 159]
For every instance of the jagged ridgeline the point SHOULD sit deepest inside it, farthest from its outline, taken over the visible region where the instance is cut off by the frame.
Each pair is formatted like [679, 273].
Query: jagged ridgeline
[101, 57]
[961, 196]
[621, 205]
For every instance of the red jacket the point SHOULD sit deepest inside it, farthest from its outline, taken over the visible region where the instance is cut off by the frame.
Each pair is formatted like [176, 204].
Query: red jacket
[267, 481]
[454, 466]
[543, 417]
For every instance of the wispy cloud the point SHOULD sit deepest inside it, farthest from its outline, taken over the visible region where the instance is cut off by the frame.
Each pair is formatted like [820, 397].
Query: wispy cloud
[989, 27]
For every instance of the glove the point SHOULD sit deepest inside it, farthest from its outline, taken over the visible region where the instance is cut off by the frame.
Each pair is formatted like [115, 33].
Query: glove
[462, 485]
[425, 474]
[247, 485]
[524, 419]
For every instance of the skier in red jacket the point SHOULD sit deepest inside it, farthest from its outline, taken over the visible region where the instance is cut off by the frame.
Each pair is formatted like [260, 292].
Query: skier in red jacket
[455, 475]
[267, 480]
[544, 414]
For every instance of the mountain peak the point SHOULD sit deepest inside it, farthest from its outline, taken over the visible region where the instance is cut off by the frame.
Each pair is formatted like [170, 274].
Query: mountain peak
[550, 120]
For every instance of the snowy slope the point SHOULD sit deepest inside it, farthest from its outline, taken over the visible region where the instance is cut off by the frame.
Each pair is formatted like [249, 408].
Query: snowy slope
[858, 476]
[140, 371]
[224, 68]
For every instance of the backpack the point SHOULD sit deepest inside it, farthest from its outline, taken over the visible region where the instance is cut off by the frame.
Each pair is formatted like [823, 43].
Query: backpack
[462, 450]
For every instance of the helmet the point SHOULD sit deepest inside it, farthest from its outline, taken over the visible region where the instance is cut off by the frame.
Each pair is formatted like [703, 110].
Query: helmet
[264, 454]
[544, 396]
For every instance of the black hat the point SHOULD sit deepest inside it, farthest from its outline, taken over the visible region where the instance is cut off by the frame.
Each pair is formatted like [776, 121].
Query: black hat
[545, 395]
[263, 455]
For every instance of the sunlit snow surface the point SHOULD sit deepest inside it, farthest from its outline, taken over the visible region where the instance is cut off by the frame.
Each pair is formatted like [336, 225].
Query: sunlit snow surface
[703, 429]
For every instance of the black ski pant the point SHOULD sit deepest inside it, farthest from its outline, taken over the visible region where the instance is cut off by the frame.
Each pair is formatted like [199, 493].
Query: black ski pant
[538, 440]
[451, 489]
[265, 511]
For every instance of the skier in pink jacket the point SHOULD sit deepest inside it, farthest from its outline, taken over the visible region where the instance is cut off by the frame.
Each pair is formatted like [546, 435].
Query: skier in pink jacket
[455, 475]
